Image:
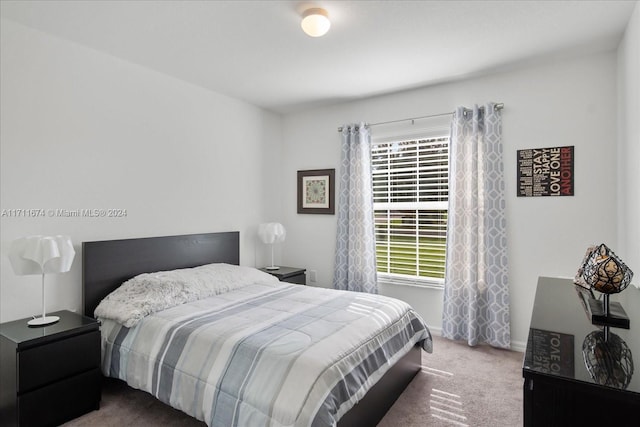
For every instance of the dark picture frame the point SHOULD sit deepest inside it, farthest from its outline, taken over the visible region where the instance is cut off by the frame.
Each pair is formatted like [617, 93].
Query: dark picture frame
[316, 191]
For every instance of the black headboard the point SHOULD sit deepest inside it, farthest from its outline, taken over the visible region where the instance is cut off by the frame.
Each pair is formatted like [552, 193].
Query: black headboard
[106, 264]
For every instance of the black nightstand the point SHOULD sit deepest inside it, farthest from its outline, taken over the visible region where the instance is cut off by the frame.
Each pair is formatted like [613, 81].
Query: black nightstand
[49, 374]
[289, 274]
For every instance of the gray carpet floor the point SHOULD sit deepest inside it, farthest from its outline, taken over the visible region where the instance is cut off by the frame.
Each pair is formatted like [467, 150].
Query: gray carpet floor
[462, 386]
[458, 386]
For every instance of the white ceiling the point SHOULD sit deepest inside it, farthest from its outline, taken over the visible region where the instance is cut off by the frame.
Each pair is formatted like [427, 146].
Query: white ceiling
[256, 51]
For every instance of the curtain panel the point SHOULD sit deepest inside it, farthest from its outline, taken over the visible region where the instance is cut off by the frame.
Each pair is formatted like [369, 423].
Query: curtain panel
[476, 292]
[355, 263]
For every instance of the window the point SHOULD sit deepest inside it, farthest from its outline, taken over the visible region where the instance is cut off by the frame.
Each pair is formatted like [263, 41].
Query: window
[410, 194]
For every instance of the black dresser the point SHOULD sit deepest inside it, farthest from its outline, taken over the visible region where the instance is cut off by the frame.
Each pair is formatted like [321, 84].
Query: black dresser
[570, 377]
[49, 374]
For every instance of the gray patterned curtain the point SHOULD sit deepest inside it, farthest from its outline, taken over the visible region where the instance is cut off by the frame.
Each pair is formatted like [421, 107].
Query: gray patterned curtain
[355, 266]
[476, 291]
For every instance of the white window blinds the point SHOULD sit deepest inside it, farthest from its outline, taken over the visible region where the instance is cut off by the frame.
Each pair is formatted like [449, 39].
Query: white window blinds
[410, 185]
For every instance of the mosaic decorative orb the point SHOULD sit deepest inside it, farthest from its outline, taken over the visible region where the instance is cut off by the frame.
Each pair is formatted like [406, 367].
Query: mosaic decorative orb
[604, 271]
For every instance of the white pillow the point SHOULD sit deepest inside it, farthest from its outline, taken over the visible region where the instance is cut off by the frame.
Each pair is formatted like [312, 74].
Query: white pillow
[152, 292]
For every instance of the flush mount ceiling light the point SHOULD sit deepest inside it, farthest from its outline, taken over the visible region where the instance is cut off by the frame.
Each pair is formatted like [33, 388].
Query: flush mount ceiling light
[315, 22]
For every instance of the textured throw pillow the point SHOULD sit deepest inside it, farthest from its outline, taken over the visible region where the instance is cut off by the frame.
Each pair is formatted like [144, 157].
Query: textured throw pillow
[152, 292]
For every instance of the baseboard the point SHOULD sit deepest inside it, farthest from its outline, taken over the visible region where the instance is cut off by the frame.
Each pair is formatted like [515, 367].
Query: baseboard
[520, 346]
[435, 331]
[515, 345]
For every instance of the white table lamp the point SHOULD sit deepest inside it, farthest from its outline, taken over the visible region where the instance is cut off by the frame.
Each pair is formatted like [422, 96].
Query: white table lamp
[41, 255]
[271, 233]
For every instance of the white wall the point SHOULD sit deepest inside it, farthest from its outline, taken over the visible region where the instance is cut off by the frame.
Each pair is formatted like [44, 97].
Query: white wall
[121, 136]
[568, 102]
[629, 159]
[629, 142]
[81, 129]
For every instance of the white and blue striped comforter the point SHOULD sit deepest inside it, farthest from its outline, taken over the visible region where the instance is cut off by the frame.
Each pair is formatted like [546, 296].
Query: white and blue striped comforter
[276, 355]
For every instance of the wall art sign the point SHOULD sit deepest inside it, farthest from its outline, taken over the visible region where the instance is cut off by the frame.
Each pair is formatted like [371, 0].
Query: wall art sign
[545, 172]
[316, 191]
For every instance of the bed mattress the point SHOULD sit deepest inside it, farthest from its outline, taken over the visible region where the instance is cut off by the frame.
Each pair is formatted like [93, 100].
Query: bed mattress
[264, 354]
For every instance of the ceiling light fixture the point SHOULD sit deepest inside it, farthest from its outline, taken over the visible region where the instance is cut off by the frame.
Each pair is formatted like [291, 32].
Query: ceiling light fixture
[315, 22]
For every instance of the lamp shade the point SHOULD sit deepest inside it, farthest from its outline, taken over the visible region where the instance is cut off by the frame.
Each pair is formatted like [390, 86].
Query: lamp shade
[41, 255]
[271, 232]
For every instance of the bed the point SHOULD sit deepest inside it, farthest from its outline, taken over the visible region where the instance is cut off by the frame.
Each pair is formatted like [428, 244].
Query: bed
[352, 396]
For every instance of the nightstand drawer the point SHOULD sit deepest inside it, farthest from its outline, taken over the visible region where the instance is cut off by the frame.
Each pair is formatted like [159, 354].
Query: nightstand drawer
[300, 279]
[50, 362]
[61, 401]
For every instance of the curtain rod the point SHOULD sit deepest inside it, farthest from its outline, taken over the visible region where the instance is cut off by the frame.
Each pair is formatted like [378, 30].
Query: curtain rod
[499, 106]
